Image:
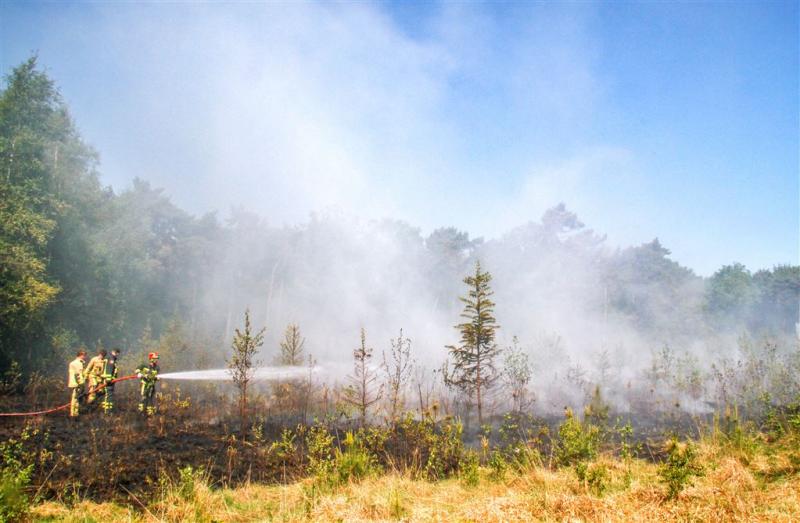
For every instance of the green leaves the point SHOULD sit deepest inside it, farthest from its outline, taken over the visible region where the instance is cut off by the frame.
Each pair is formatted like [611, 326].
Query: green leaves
[29, 128]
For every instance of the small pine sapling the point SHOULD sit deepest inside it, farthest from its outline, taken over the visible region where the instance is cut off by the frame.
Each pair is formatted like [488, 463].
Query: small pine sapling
[397, 368]
[363, 391]
[292, 346]
[241, 365]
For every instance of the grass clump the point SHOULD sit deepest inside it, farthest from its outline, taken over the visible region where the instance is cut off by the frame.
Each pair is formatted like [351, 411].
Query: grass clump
[397, 506]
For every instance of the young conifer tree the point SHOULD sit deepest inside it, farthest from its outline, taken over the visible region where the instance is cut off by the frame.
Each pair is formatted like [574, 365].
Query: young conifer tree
[291, 394]
[397, 368]
[473, 370]
[363, 391]
[516, 375]
[292, 346]
[241, 365]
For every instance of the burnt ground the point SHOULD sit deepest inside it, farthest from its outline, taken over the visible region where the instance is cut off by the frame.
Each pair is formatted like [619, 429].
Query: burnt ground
[125, 456]
[103, 457]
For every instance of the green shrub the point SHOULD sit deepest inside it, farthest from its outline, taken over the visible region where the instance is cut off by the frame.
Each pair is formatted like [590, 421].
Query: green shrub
[319, 450]
[374, 439]
[424, 448]
[498, 466]
[517, 439]
[595, 477]
[188, 479]
[11, 379]
[285, 448]
[679, 468]
[445, 451]
[181, 489]
[469, 470]
[577, 442]
[793, 416]
[331, 465]
[627, 449]
[355, 461]
[15, 476]
[794, 421]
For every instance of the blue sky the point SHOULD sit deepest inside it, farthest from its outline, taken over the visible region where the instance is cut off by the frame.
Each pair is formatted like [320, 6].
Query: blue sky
[676, 121]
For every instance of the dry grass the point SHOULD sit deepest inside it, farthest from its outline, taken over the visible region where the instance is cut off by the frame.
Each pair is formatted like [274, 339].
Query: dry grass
[728, 491]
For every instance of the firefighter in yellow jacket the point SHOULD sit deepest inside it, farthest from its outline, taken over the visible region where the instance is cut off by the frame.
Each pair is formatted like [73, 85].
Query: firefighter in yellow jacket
[75, 382]
[148, 374]
[94, 374]
[110, 373]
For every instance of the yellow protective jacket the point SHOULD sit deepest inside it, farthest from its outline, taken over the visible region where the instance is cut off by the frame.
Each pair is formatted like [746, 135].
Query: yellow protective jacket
[149, 373]
[110, 369]
[75, 373]
[95, 367]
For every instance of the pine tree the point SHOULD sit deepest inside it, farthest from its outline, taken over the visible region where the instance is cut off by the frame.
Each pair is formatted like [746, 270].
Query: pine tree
[363, 391]
[473, 370]
[292, 346]
[241, 365]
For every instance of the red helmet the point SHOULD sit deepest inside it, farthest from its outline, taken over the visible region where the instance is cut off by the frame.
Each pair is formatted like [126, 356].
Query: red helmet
[152, 356]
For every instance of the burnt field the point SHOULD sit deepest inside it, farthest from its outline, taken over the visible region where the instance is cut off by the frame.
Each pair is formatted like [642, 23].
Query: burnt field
[127, 457]
[300, 451]
[105, 457]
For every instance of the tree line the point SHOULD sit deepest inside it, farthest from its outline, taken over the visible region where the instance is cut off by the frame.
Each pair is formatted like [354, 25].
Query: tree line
[84, 264]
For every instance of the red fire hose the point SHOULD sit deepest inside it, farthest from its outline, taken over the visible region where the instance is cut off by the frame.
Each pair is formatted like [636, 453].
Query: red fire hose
[62, 407]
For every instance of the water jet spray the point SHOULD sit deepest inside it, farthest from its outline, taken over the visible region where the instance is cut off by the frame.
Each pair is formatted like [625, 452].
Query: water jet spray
[259, 374]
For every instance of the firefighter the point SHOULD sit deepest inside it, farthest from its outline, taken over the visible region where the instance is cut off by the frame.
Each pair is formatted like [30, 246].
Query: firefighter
[110, 371]
[93, 374]
[75, 382]
[148, 373]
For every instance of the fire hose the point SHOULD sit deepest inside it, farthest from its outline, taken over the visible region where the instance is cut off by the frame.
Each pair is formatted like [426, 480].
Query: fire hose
[66, 405]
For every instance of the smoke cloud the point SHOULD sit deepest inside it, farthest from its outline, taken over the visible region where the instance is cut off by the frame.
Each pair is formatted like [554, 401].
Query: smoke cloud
[289, 110]
[338, 140]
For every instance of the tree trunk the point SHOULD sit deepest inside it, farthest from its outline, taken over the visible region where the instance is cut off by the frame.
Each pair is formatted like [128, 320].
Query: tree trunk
[270, 291]
[243, 410]
[480, 404]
